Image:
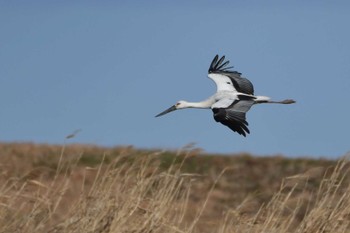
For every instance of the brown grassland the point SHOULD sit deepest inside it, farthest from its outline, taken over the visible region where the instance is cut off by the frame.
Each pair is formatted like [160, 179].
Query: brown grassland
[84, 188]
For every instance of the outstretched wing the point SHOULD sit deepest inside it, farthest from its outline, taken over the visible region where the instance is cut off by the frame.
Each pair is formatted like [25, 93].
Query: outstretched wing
[226, 79]
[234, 116]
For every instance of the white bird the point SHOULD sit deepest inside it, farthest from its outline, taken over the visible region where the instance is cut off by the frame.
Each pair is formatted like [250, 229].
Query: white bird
[233, 98]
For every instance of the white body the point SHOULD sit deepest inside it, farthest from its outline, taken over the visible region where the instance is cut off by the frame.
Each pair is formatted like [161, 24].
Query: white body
[225, 95]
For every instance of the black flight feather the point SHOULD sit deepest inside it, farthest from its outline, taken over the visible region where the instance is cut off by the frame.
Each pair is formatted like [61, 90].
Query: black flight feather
[234, 116]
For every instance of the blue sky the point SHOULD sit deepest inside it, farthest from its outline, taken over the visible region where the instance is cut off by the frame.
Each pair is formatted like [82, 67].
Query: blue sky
[109, 67]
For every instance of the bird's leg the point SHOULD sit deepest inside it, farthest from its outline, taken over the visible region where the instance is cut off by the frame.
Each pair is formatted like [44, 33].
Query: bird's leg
[286, 101]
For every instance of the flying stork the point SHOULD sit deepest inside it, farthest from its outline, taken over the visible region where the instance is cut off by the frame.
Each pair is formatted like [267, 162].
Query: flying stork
[233, 98]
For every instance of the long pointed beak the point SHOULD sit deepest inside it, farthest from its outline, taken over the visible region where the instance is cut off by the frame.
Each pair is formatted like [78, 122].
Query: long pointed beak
[172, 108]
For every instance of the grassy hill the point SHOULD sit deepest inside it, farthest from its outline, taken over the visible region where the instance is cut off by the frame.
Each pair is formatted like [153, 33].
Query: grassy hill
[85, 188]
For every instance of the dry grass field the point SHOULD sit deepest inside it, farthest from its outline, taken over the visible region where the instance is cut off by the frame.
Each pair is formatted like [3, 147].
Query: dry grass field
[83, 188]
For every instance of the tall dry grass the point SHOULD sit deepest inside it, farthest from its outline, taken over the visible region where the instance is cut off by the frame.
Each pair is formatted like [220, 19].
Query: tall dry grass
[324, 209]
[138, 194]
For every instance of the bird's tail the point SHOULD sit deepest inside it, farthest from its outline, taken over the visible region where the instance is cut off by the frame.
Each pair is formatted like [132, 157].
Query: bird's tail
[262, 99]
[265, 99]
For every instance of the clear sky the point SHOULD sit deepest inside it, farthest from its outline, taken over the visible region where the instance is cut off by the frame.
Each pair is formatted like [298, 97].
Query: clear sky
[108, 67]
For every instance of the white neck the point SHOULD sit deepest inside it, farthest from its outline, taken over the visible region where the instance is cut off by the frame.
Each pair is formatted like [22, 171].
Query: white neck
[203, 104]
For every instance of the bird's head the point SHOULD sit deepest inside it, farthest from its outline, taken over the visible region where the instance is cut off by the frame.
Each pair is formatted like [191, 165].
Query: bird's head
[179, 105]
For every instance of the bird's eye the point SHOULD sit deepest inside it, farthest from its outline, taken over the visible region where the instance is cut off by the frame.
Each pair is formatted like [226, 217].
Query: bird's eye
[177, 104]
[228, 83]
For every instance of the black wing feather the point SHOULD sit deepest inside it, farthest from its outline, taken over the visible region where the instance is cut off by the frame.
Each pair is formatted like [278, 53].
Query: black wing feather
[234, 116]
[216, 67]
[218, 64]
[225, 64]
[238, 126]
[241, 84]
[212, 65]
